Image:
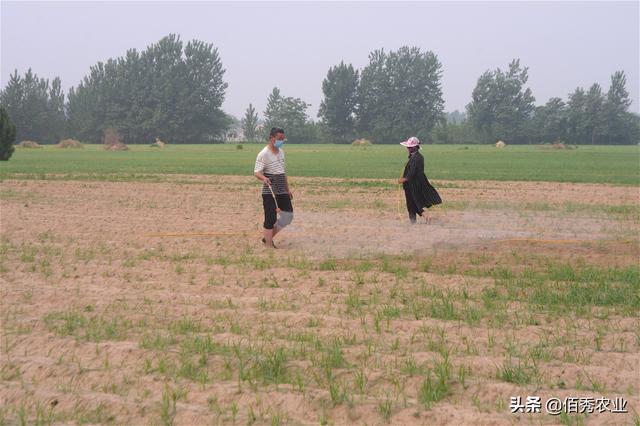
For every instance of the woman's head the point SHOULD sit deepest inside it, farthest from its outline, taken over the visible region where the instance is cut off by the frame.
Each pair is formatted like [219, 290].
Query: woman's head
[412, 144]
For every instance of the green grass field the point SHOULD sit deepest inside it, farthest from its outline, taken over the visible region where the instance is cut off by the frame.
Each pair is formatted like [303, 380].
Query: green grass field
[595, 164]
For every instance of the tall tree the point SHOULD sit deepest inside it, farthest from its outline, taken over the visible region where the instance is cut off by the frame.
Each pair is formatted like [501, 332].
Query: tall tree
[595, 117]
[7, 135]
[289, 113]
[273, 112]
[338, 107]
[57, 120]
[201, 102]
[170, 90]
[576, 117]
[619, 122]
[549, 123]
[501, 106]
[249, 123]
[400, 94]
[35, 107]
[617, 96]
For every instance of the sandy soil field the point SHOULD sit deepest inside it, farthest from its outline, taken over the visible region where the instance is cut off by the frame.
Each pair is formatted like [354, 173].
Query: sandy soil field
[155, 303]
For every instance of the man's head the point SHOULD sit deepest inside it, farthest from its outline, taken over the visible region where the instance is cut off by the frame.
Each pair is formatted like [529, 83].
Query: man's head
[276, 134]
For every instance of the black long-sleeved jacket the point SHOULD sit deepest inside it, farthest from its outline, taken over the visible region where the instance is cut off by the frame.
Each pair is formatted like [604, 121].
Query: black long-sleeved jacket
[417, 184]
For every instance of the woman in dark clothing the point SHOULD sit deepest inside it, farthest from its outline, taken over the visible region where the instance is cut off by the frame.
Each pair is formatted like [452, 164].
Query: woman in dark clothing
[417, 189]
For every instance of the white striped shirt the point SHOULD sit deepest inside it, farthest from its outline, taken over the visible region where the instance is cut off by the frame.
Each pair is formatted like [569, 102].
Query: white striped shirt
[272, 166]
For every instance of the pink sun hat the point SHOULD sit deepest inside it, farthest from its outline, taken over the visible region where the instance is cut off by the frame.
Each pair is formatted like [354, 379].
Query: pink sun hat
[411, 142]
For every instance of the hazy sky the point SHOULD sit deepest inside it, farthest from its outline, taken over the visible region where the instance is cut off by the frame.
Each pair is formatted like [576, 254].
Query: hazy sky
[292, 45]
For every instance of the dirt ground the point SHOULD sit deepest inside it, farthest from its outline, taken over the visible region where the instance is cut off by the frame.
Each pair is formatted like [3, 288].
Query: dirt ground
[154, 302]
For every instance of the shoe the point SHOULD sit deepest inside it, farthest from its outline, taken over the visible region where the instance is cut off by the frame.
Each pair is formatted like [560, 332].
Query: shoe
[265, 243]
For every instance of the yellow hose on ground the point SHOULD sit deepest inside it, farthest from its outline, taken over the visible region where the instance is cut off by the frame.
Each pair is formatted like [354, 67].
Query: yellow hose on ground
[202, 234]
[547, 241]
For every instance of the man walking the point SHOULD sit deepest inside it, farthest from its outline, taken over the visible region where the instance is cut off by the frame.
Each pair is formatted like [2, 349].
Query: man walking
[276, 196]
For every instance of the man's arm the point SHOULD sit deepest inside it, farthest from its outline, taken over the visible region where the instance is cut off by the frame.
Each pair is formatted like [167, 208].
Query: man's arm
[259, 168]
[286, 183]
[261, 177]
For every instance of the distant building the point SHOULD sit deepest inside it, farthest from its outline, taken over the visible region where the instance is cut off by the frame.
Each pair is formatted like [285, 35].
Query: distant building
[234, 135]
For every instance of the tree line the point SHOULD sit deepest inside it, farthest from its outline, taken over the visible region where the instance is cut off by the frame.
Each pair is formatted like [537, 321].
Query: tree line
[171, 90]
[503, 109]
[398, 94]
[174, 91]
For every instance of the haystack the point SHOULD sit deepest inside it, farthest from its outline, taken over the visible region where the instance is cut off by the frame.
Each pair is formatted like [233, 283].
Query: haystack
[158, 144]
[116, 147]
[29, 144]
[361, 143]
[500, 144]
[113, 141]
[562, 145]
[70, 143]
[557, 145]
